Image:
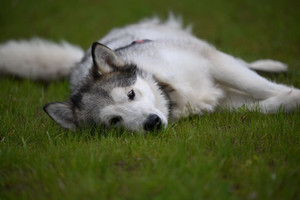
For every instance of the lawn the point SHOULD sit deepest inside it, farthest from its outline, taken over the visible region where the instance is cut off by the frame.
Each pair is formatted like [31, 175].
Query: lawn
[239, 155]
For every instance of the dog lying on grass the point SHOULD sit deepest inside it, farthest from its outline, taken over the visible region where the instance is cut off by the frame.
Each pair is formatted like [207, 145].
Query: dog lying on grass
[143, 75]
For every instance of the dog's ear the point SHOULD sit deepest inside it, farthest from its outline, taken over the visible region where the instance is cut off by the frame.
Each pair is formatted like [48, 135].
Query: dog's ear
[105, 60]
[61, 113]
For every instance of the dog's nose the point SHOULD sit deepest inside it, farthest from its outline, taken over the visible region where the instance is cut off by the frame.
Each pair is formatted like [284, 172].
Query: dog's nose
[153, 122]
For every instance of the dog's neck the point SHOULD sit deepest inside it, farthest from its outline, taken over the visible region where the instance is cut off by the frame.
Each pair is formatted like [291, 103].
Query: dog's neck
[133, 43]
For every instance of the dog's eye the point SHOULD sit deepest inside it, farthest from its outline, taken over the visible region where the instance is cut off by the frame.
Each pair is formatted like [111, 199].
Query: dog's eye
[115, 120]
[131, 94]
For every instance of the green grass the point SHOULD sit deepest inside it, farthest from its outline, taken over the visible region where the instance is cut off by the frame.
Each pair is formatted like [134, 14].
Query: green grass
[239, 155]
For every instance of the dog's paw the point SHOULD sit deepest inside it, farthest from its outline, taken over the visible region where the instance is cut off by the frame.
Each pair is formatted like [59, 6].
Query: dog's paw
[285, 101]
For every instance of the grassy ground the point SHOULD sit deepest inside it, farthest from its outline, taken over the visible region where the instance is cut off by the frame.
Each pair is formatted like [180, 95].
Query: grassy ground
[240, 155]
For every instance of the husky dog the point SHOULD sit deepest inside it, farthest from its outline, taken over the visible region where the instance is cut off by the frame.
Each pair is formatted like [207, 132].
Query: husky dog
[143, 75]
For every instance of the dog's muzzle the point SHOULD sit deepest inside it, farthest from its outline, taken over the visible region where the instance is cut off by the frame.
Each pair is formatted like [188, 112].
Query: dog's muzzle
[153, 122]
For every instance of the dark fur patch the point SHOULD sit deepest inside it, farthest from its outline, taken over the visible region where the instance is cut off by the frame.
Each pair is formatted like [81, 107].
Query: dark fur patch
[167, 90]
[95, 72]
[126, 75]
[77, 97]
[120, 77]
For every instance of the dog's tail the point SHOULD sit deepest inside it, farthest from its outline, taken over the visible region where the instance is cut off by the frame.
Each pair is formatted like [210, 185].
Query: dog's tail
[267, 65]
[38, 59]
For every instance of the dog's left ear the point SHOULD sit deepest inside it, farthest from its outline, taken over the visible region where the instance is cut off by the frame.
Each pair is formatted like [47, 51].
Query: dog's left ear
[105, 60]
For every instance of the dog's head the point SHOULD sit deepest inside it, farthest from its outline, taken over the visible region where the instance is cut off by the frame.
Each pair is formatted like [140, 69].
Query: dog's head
[113, 94]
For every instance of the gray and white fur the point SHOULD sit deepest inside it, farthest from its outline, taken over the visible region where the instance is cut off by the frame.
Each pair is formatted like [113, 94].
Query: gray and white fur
[144, 75]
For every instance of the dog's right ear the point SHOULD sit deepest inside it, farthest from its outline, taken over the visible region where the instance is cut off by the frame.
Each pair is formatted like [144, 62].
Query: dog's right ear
[105, 60]
[61, 113]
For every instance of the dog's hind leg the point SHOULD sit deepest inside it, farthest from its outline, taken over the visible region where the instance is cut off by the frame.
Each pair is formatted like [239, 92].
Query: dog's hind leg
[268, 96]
